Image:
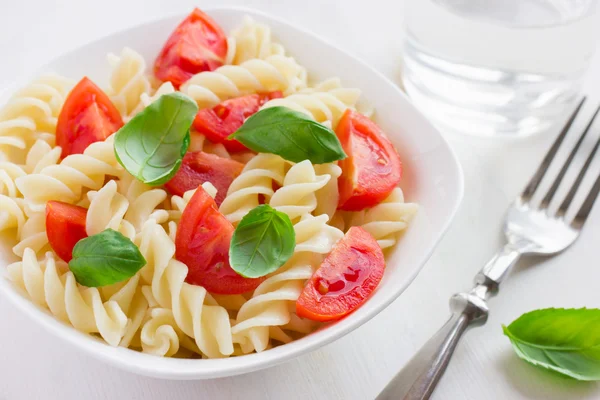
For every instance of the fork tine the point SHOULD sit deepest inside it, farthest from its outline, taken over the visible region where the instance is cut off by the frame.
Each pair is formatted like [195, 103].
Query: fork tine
[586, 207]
[539, 174]
[552, 191]
[562, 210]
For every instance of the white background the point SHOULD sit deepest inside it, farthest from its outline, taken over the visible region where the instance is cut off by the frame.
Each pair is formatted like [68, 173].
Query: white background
[34, 365]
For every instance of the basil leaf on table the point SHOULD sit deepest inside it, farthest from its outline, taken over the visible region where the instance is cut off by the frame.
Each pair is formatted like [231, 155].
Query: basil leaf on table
[563, 340]
[289, 134]
[105, 258]
[262, 242]
[152, 144]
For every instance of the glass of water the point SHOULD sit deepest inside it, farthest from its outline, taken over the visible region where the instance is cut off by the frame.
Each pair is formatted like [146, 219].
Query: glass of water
[497, 67]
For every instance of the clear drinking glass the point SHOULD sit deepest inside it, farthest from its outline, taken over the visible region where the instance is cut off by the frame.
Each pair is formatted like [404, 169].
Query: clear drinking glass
[497, 67]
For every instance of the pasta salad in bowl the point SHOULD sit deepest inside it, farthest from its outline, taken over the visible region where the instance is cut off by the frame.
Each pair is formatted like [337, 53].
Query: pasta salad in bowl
[211, 198]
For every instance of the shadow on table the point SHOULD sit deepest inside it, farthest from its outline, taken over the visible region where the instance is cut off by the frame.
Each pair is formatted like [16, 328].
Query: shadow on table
[540, 384]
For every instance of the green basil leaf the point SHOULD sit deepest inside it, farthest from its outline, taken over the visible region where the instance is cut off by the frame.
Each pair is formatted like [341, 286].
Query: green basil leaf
[105, 258]
[563, 340]
[291, 135]
[262, 242]
[152, 144]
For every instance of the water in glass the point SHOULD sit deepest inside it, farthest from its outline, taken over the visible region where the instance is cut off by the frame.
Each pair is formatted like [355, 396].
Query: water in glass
[497, 67]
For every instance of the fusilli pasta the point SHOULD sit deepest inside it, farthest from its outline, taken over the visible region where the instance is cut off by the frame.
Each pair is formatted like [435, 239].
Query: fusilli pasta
[297, 196]
[32, 234]
[387, 219]
[324, 107]
[251, 40]
[276, 72]
[146, 99]
[31, 114]
[155, 310]
[328, 195]
[270, 303]
[49, 286]
[207, 323]
[160, 334]
[256, 180]
[65, 181]
[31, 226]
[128, 81]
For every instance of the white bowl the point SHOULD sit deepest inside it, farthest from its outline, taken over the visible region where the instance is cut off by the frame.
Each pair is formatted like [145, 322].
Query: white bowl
[432, 177]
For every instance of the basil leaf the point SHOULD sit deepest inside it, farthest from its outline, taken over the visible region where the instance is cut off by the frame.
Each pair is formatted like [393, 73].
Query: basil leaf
[105, 258]
[262, 242]
[152, 144]
[291, 135]
[563, 340]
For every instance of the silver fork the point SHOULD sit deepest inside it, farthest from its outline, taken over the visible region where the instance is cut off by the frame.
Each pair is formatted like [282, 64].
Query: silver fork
[530, 230]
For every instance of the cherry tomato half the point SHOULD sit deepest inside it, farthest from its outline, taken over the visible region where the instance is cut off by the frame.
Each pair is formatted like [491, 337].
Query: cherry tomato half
[199, 167]
[202, 243]
[219, 122]
[197, 44]
[65, 226]
[345, 279]
[87, 116]
[372, 169]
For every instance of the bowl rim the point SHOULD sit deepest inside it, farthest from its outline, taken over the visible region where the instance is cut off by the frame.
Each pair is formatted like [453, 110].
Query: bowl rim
[187, 369]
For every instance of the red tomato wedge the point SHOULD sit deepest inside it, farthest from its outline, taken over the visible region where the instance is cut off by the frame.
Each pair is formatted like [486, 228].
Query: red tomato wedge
[202, 243]
[345, 279]
[221, 121]
[65, 226]
[372, 169]
[87, 116]
[197, 44]
[199, 167]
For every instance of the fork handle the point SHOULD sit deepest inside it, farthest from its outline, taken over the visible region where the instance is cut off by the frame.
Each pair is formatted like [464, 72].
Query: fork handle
[418, 379]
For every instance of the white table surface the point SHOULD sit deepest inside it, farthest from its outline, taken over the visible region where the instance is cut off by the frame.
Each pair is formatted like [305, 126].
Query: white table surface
[34, 365]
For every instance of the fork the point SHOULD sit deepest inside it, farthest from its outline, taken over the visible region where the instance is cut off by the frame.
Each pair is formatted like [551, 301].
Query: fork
[530, 229]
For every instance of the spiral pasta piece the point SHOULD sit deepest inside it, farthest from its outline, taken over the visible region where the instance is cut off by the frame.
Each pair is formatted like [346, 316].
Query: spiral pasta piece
[40, 155]
[160, 335]
[346, 95]
[30, 226]
[50, 287]
[276, 72]
[251, 40]
[125, 206]
[270, 304]
[128, 81]
[32, 234]
[297, 196]
[12, 214]
[31, 114]
[65, 181]
[145, 204]
[324, 107]
[146, 99]
[256, 179]
[137, 314]
[328, 195]
[386, 220]
[195, 313]
[9, 172]
[107, 210]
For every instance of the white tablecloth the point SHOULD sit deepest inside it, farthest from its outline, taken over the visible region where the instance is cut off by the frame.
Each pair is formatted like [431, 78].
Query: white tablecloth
[34, 365]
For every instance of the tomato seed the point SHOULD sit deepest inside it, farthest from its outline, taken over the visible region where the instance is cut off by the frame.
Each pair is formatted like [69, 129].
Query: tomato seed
[322, 286]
